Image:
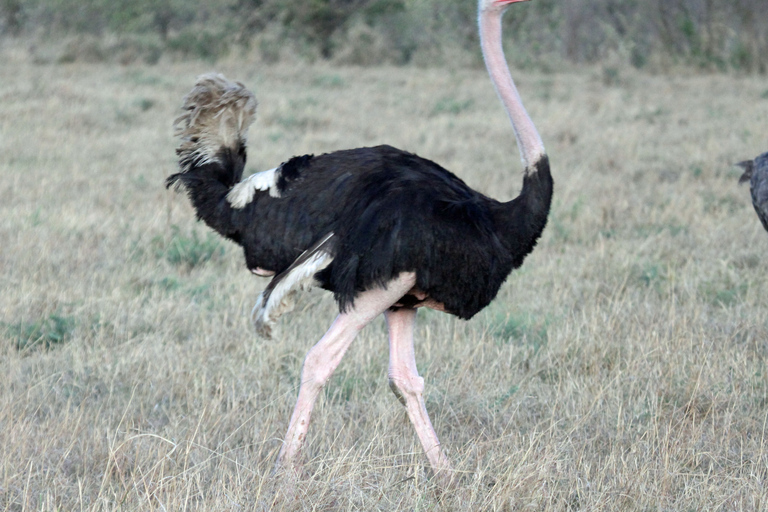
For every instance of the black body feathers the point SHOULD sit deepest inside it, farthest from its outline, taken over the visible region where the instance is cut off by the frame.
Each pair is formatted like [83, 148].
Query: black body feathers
[391, 212]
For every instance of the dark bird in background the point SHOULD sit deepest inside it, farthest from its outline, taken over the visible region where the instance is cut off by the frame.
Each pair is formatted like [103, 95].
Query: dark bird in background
[383, 229]
[756, 173]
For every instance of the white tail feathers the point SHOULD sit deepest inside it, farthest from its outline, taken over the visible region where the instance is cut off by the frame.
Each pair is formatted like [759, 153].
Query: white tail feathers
[217, 114]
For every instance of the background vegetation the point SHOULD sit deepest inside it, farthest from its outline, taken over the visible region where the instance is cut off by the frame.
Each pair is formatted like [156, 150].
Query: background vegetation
[707, 34]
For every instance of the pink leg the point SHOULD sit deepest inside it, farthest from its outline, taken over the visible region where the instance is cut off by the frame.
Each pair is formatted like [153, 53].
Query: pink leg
[408, 386]
[325, 356]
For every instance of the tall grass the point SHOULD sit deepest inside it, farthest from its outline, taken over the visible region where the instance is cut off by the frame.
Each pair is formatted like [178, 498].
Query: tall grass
[622, 368]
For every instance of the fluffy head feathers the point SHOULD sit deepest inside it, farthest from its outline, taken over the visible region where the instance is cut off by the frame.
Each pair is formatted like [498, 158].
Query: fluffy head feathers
[217, 114]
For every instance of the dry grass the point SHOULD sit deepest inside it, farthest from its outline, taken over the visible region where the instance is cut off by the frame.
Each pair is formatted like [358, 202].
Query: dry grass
[622, 368]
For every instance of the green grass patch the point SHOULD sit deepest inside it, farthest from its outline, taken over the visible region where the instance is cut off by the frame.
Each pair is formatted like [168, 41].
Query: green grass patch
[648, 274]
[519, 328]
[330, 81]
[723, 293]
[646, 230]
[505, 397]
[144, 104]
[141, 77]
[47, 332]
[189, 251]
[451, 106]
[697, 171]
[563, 218]
[349, 387]
[292, 122]
[716, 204]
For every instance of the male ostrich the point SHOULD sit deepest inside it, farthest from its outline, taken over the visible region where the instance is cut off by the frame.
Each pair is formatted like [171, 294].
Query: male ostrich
[756, 173]
[385, 230]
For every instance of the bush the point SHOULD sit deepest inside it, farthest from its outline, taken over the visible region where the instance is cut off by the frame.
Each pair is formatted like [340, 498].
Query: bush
[704, 33]
[201, 44]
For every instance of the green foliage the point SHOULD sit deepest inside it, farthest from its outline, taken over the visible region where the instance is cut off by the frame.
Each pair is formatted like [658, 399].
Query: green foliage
[377, 9]
[201, 44]
[44, 333]
[688, 30]
[611, 76]
[131, 16]
[638, 57]
[12, 13]
[190, 251]
[742, 57]
[317, 21]
[711, 35]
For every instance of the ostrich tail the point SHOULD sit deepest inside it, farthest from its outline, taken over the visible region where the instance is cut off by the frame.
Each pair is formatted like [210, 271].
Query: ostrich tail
[217, 114]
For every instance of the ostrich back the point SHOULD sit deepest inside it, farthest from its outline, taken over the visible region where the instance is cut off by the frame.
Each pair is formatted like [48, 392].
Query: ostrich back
[390, 211]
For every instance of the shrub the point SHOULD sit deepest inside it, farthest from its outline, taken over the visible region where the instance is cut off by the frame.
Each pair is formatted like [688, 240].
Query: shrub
[202, 44]
[704, 33]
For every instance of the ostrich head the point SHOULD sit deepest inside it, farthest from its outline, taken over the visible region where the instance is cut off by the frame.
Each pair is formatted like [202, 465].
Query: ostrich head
[217, 114]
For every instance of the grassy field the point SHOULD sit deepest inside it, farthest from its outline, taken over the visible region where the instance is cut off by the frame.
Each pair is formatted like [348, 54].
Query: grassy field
[622, 368]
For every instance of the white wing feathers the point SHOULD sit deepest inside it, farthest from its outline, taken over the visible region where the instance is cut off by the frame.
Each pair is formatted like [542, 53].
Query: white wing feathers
[278, 297]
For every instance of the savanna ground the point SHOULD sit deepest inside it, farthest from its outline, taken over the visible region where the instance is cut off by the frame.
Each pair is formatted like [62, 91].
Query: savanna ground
[623, 367]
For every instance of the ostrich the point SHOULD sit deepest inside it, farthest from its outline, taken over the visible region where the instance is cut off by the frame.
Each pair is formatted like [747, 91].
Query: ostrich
[756, 173]
[383, 229]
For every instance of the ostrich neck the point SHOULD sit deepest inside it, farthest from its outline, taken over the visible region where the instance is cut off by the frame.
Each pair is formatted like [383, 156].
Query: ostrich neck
[528, 139]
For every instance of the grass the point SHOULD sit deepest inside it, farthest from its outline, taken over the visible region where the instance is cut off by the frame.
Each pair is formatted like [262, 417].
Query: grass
[623, 367]
[188, 250]
[46, 332]
[451, 106]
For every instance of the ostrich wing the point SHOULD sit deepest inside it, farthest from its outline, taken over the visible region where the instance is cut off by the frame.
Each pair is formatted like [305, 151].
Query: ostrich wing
[277, 298]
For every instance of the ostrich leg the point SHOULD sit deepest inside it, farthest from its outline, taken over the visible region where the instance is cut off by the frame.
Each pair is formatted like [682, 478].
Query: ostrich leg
[325, 356]
[406, 383]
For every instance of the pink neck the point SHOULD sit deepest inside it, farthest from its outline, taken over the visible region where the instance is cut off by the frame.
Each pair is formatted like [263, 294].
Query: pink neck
[528, 139]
